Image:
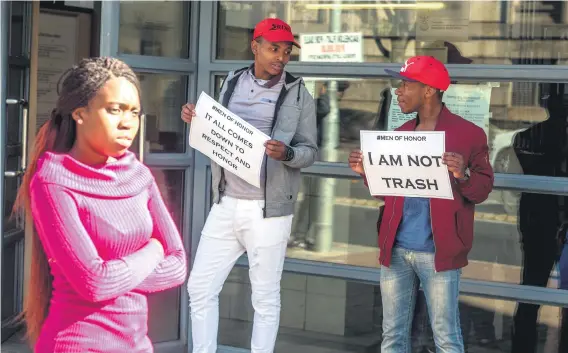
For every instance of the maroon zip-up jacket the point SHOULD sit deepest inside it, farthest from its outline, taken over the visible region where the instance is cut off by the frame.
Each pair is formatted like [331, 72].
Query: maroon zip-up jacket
[452, 220]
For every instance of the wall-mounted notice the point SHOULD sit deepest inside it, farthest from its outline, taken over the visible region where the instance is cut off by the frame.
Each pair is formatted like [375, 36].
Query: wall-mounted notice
[332, 47]
[57, 53]
[406, 164]
[450, 22]
[471, 102]
[227, 139]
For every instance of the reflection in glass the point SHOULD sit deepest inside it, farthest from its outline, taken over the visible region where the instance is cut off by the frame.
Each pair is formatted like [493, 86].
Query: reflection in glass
[162, 98]
[19, 11]
[541, 150]
[13, 146]
[155, 28]
[325, 314]
[502, 109]
[520, 121]
[498, 248]
[164, 307]
[461, 32]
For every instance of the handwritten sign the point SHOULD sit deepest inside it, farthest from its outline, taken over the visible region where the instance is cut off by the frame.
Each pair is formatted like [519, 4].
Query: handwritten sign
[227, 139]
[332, 47]
[406, 164]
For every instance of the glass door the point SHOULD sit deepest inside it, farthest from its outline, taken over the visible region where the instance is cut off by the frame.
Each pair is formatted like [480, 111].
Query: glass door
[14, 53]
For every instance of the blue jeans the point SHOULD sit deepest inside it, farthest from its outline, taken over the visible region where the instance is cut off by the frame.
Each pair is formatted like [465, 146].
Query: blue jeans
[399, 286]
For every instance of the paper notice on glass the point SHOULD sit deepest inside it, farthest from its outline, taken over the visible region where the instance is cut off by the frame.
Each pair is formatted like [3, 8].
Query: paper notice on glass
[471, 102]
[407, 164]
[227, 139]
[332, 47]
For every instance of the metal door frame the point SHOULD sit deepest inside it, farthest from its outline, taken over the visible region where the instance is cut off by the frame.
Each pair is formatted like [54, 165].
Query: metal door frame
[21, 62]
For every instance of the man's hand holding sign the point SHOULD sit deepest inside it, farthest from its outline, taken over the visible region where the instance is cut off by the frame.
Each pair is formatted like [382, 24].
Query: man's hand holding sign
[276, 150]
[456, 165]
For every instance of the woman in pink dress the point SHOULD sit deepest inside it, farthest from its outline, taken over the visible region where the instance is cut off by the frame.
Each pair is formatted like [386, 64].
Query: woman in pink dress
[105, 238]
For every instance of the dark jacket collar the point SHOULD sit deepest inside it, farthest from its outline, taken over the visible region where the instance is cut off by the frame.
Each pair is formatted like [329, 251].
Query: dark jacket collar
[270, 83]
[442, 122]
[289, 79]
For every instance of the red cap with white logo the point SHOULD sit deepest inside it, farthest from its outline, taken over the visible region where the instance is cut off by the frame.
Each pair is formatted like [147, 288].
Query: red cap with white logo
[274, 30]
[425, 69]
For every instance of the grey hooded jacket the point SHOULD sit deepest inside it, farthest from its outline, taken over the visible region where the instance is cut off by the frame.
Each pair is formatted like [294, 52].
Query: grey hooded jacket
[294, 124]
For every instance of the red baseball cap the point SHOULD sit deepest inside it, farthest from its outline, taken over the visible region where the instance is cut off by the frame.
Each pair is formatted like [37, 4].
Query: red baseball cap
[425, 69]
[274, 30]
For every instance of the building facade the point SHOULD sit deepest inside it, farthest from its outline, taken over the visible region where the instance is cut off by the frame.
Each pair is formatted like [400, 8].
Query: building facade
[508, 60]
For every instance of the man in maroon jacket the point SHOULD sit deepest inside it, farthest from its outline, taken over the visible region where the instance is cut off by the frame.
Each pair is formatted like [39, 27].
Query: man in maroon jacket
[427, 240]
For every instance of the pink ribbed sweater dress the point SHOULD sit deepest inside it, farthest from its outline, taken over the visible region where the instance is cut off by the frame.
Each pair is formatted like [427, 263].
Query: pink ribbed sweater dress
[95, 224]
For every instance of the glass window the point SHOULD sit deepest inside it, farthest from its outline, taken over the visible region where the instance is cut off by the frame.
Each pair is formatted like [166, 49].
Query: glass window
[525, 122]
[13, 145]
[19, 12]
[155, 28]
[332, 315]
[164, 307]
[162, 98]
[457, 32]
[515, 233]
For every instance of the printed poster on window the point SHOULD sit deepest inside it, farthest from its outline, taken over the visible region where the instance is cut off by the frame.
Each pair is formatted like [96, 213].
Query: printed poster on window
[471, 102]
[406, 164]
[332, 47]
[227, 139]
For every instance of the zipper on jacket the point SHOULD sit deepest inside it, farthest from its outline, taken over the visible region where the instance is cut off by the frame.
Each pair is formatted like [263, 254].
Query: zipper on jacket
[433, 237]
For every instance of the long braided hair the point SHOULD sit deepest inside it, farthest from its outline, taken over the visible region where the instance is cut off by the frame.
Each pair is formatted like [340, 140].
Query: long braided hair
[76, 88]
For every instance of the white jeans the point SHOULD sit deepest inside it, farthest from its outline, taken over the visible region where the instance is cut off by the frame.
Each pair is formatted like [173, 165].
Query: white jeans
[233, 227]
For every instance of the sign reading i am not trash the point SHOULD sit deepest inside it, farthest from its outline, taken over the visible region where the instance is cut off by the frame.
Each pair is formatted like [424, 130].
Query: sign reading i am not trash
[227, 139]
[406, 164]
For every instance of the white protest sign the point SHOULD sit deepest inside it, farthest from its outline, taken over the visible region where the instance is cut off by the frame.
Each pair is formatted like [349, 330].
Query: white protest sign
[332, 47]
[406, 164]
[227, 139]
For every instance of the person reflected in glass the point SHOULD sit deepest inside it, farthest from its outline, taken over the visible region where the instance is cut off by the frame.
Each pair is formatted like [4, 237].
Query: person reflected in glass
[563, 274]
[540, 149]
[105, 238]
[301, 236]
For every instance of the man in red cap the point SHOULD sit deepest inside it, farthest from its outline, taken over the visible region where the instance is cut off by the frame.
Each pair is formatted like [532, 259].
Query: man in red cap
[245, 217]
[426, 241]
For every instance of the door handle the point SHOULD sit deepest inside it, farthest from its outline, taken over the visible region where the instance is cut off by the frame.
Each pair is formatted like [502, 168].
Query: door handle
[24, 143]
